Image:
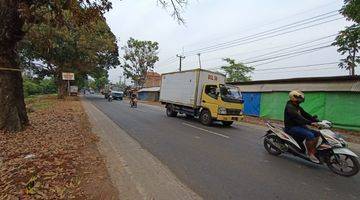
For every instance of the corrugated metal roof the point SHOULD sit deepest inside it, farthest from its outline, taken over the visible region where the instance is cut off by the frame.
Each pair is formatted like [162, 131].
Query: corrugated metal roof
[340, 86]
[151, 89]
[302, 80]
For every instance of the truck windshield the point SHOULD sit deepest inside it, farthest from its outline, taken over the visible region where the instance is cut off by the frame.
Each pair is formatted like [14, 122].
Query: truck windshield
[230, 94]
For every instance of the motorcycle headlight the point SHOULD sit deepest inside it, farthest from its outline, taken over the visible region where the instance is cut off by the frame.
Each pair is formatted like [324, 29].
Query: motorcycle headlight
[222, 111]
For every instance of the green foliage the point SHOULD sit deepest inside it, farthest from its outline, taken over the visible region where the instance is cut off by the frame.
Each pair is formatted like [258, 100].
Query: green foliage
[92, 85]
[121, 85]
[48, 86]
[140, 57]
[236, 72]
[35, 87]
[351, 10]
[101, 82]
[31, 88]
[348, 40]
[82, 49]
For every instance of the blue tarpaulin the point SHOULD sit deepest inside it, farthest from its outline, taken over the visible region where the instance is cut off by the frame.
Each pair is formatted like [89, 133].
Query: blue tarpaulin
[252, 103]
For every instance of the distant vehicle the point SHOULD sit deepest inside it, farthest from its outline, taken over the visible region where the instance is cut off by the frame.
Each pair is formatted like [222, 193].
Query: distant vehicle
[74, 90]
[203, 94]
[92, 92]
[117, 95]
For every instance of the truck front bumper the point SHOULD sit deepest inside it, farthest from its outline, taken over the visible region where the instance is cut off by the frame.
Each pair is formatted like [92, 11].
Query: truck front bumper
[230, 117]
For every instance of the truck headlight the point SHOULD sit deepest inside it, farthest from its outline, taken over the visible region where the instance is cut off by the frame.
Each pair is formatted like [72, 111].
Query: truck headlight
[222, 111]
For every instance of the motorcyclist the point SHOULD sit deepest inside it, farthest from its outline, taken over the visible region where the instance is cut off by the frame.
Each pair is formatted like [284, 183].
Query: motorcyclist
[296, 119]
[133, 99]
[109, 96]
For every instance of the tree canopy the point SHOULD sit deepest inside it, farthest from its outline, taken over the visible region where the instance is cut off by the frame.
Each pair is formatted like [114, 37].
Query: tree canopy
[236, 72]
[348, 40]
[140, 57]
[82, 49]
[56, 20]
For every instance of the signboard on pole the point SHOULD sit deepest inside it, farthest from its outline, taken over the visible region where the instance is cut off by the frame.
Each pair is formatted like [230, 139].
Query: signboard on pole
[66, 76]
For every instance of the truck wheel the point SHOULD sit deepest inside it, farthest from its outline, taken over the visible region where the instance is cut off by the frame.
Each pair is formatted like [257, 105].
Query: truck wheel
[170, 112]
[205, 117]
[227, 123]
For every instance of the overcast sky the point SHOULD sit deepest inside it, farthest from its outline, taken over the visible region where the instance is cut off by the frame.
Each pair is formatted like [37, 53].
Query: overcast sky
[225, 23]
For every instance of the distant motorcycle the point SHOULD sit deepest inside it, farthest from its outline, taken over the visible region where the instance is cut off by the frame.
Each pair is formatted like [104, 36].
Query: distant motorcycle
[331, 148]
[133, 103]
[110, 98]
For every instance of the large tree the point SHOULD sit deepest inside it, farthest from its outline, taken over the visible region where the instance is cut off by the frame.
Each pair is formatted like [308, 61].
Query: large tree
[348, 40]
[140, 57]
[78, 49]
[13, 15]
[236, 72]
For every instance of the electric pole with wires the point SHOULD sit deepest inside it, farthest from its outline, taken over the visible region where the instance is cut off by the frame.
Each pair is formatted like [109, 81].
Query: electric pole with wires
[199, 54]
[180, 58]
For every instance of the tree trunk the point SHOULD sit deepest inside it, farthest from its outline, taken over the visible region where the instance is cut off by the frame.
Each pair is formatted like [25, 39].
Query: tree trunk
[61, 85]
[353, 64]
[13, 115]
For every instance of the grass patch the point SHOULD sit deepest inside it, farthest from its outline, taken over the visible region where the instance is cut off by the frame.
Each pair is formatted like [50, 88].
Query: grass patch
[40, 102]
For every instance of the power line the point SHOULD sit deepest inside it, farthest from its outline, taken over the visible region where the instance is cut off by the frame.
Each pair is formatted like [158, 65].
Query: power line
[287, 54]
[298, 66]
[285, 58]
[268, 23]
[267, 37]
[276, 51]
[288, 48]
[264, 35]
[290, 55]
[297, 70]
[274, 30]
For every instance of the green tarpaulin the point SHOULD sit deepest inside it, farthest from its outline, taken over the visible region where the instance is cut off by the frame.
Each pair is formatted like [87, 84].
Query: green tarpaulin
[342, 108]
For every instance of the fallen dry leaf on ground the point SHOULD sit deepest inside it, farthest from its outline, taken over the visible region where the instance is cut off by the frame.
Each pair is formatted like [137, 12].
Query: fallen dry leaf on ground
[51, 158]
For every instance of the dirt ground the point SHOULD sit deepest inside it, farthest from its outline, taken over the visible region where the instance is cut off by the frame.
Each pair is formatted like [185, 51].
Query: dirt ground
[56, 157]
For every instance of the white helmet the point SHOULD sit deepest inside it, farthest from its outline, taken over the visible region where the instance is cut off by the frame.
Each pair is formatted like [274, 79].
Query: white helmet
[297, 96]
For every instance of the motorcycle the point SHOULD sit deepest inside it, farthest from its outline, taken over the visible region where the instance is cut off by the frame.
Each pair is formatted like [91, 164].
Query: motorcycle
[133, 103]
[331, 148]
[110, 98]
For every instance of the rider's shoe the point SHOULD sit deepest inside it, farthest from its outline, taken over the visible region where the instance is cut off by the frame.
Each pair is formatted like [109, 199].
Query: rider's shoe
[314, 159]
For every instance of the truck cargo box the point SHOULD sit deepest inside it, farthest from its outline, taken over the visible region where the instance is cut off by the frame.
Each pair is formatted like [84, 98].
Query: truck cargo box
[184, 88]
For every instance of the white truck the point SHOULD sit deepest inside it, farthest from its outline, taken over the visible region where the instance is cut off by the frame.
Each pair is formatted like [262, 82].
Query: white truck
[201, 94]
[74, 90]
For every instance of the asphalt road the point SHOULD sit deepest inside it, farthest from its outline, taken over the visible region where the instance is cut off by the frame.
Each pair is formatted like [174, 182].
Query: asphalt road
[225, 163]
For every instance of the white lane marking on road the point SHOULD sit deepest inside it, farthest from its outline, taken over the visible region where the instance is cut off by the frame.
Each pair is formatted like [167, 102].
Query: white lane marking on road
[202, 129]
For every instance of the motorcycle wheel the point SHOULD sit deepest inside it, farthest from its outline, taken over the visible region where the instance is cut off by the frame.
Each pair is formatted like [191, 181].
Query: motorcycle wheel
[268, 146]
[343, 165]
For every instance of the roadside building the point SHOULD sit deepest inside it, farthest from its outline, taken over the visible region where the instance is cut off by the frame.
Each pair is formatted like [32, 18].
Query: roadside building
[336, 99]
[153, 79]
[149, 94]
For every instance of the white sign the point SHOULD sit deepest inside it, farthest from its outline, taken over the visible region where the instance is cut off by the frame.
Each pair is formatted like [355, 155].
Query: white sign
[68, 76]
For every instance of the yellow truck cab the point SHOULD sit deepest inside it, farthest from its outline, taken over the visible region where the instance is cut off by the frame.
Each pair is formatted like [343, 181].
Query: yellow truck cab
[223, 102]
[201, 94]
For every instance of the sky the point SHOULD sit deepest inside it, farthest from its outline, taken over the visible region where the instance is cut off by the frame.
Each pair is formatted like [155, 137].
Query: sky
[279, 38]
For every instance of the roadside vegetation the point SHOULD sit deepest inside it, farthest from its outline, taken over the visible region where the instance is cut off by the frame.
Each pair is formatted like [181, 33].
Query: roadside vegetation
[38, 87]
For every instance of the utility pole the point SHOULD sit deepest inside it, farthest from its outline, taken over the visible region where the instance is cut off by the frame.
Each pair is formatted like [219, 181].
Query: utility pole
[199, 60]
[181, 58]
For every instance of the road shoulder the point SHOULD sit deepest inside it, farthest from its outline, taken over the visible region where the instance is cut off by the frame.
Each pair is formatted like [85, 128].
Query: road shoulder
[134, 171]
